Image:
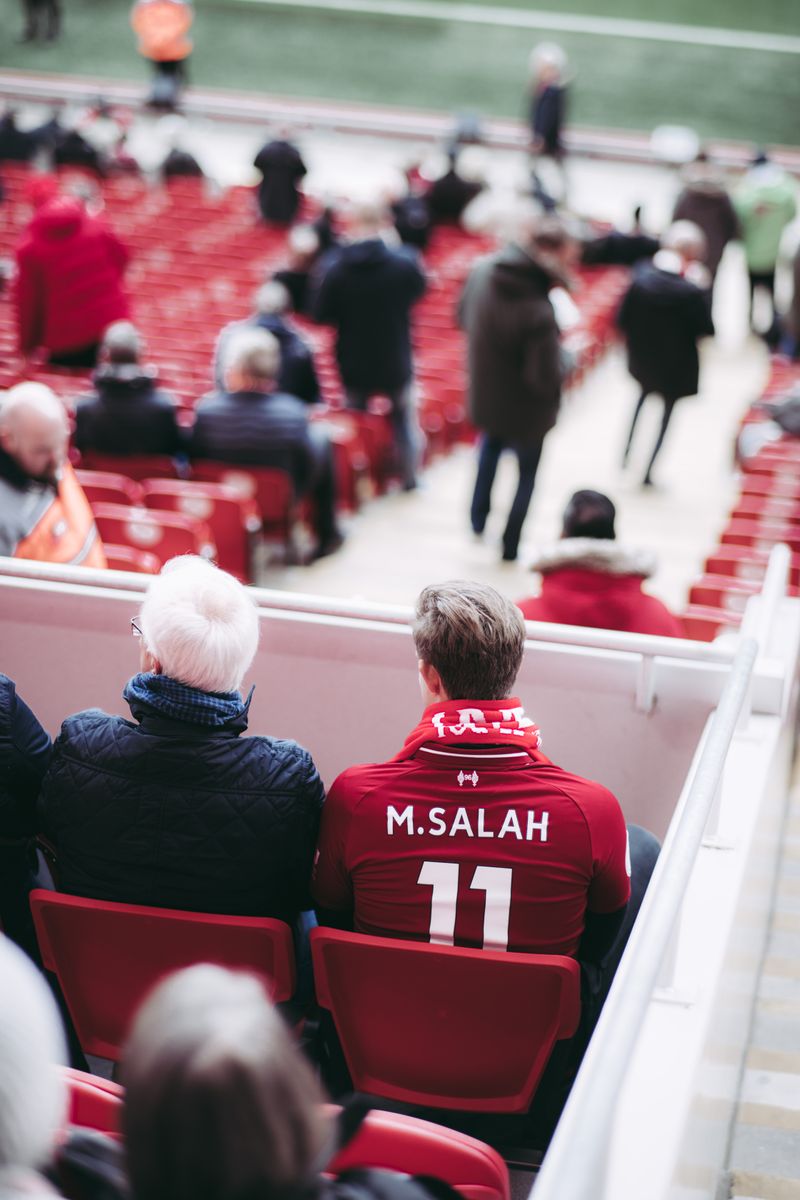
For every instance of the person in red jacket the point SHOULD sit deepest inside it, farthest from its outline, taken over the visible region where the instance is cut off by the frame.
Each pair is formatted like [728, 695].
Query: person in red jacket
[589, 579]
[69, 285]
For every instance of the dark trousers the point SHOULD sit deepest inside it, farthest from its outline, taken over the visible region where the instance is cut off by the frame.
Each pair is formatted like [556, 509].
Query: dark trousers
[42, 18]
[84, 356]
[488, 457]
[669, 404]
[766, 280]
[404, 424]
[322, 488]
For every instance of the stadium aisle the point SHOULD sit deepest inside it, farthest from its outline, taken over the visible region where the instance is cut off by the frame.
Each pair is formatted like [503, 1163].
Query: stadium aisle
[763, 1158]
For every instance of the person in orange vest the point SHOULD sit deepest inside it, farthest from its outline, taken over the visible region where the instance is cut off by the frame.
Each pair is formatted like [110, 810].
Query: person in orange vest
[43, 512]
[162, 27]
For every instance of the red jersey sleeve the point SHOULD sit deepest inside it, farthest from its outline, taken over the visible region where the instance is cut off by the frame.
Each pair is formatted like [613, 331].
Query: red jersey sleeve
[331, 885]
[610, 888]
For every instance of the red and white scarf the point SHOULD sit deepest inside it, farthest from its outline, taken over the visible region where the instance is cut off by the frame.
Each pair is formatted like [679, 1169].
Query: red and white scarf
[475, 723]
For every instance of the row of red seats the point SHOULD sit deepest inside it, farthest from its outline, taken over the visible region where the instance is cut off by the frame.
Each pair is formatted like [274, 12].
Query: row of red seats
[405, 1012]
[767, 512]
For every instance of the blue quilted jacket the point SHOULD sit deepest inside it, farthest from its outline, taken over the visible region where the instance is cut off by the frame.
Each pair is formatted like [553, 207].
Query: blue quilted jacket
[167, 813]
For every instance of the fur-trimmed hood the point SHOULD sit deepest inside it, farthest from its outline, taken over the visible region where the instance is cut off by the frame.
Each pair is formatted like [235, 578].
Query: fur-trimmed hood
[603, 555]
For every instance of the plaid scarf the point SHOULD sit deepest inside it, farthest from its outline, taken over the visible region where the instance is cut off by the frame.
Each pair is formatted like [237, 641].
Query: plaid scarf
[177, 700]
[475, 723]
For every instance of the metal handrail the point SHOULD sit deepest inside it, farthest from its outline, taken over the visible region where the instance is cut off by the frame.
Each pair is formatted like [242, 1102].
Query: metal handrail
[590, 1111]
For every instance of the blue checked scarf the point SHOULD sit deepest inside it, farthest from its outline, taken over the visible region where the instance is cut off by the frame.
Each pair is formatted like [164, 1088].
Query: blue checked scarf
[177, 700]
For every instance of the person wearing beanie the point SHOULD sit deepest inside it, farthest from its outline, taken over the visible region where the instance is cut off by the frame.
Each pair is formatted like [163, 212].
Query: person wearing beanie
[588, 579]
[32, 1086]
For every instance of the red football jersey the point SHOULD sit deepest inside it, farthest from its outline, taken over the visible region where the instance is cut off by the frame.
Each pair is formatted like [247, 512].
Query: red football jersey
[472, 846]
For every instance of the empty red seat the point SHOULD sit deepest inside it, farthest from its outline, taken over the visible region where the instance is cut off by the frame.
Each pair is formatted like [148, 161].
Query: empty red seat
[94, 1103]
[107, 487]
[128, 558]
[231, 517]
[164, 534]
[728, 592]
[271, 490]
[703, 624]
[746, 563]
[108, 956]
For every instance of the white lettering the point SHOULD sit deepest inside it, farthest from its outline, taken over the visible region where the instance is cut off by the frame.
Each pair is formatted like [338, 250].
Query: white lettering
[461, 823]
[393, 817]
[438, 826]
[540, 825]
[470, 719]
[510, 825]
[518, 715]
[483, 832]
[438, 723]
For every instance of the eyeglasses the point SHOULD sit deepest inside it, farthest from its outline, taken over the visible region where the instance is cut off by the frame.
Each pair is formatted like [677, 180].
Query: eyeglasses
[135, 630]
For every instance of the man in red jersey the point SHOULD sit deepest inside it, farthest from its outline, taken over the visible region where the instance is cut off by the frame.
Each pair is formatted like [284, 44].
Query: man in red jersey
[470, 836]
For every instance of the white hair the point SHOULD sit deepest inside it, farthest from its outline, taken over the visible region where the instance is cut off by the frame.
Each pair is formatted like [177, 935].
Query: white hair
[547, 54]
[122, 342]
[272, 298]
[255, 353]
[28, 399]
[33, 1094]
[201, 624]
[303, 239]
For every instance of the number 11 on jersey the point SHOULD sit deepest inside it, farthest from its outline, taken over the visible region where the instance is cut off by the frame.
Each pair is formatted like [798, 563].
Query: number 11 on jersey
[442, 877]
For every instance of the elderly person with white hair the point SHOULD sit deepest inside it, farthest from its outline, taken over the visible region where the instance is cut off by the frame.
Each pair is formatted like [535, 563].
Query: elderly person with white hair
[664, 313]
[254, 423]
[176, 808]
[43, 511]
[297, 375]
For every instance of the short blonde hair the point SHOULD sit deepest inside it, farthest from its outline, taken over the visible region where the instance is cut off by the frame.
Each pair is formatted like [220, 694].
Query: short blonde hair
[473, 636]
[201, 624]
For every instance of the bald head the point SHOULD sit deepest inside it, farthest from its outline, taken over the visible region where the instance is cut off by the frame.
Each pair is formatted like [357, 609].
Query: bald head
[34, 430]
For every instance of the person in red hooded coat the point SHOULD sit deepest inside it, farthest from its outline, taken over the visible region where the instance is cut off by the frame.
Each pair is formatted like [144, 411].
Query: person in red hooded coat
[589, 579]
[69, 286]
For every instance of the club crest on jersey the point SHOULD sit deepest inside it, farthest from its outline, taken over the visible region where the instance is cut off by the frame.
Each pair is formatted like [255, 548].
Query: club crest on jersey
[462, 778]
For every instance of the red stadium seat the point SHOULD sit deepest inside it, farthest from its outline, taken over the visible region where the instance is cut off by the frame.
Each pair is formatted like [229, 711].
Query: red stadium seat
[702, 623]
[271, 489]
[108, 956]
[746, 563]
[231, 517]
[715, 591]
[396, 1142]
[127, 558]
[762, 533]
[94, 1103]
[106, 487]
[389, 1141]
[164, 534]
[418, 1023]
[135, 466]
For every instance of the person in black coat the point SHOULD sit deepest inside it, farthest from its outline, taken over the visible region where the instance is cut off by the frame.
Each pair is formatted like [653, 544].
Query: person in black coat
[662, 315]
[298, 375]
[367, 294]
[175, 807]
[253, 424]
[24, 757]
[16, 145]
[282, 168]
[128, 413]
[42, 19]
[449, 195]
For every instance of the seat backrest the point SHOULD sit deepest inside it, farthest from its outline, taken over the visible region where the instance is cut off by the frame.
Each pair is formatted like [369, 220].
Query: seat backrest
[395, 1142]
[270, 487]
[94, 1103]
[135, 466]
[128, 558]
[108, 956]
[230, 516]
[107, 487]
[445, 1026]
[164, 533]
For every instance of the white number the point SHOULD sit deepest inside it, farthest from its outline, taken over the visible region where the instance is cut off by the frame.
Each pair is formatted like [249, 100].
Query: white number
[442, 877]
